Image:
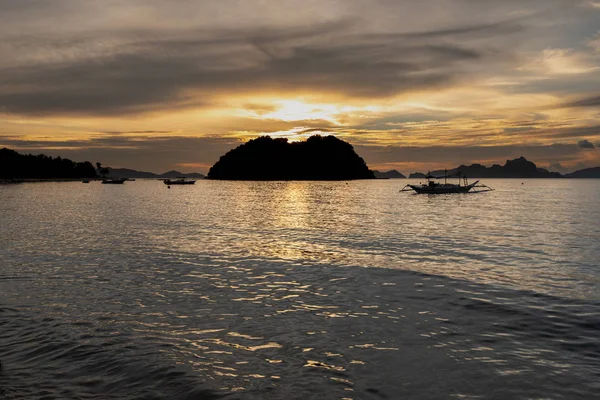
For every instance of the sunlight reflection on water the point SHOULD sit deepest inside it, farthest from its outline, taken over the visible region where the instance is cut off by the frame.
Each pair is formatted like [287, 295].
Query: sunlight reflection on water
[299, 290]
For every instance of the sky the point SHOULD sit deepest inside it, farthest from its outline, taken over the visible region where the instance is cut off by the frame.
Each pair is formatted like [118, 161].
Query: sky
[412, 85]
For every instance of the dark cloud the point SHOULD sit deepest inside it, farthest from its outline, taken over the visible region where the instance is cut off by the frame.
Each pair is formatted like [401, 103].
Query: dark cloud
[142, 71]
[479, 30]
[568, 132]
[320, 131]
[593, 101]
[135, 132]
[585, 144]
[517, 130]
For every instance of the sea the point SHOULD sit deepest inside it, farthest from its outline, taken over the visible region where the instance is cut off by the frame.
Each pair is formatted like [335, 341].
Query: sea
[299, 290]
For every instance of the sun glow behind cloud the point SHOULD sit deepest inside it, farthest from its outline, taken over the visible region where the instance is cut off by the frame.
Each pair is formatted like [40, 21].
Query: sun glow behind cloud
[562, 62]
[297, 110]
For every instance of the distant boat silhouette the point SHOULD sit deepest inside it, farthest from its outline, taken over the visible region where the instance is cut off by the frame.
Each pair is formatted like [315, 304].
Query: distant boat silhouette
[182, 180]
[113, 181]
[433, 187]
[85, 181]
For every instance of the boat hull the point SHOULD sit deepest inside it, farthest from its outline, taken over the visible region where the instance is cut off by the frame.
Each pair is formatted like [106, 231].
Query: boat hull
[440, 189]
[447, 188]
[167, 182]
[113, 181]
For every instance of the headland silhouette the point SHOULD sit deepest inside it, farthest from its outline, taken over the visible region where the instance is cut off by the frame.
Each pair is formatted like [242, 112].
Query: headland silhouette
[585, 173]
[15, 166]
[317, 158]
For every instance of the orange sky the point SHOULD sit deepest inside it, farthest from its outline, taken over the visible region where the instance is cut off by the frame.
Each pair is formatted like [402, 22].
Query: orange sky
[412, 85]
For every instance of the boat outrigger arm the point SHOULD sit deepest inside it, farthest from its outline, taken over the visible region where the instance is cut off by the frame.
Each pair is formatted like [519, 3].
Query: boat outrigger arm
[433, 187]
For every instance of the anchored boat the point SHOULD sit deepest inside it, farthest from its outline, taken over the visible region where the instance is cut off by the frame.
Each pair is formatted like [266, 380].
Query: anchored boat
[179, 181]
[113, 181]
[434, 187]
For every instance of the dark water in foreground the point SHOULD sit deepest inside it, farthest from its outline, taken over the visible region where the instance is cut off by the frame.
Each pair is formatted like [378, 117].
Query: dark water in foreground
[299, 290]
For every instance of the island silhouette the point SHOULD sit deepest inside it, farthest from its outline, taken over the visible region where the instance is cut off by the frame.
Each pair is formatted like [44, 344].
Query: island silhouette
[391, 174]
[265, 158]
[19, 166]
[585, 173]
[16, 167]
[517, 168]
[132, 173]
[268, 159]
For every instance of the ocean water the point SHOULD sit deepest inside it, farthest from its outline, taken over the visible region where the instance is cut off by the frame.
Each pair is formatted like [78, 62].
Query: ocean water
[299, 290]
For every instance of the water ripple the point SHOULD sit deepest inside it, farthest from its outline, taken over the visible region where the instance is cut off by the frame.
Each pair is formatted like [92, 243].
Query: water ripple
[233, 290]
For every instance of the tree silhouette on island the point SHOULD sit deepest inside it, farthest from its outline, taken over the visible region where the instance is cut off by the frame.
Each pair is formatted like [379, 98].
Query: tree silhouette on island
[18, 166]
[268, 159]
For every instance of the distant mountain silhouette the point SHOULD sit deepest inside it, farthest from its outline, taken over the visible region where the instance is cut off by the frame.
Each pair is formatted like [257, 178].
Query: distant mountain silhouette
[392, 174]
[19, 166]
[129, 173]
[265, 158]
[132, 173]
[517, 168]
[416, 175]
[585, 173]
[175, 174]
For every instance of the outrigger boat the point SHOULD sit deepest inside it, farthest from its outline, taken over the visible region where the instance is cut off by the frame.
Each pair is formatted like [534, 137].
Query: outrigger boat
[179, 181]
[433, 187]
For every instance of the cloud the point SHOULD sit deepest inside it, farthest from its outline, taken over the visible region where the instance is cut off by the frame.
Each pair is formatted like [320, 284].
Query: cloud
[585, 144]
[566, 131]
[561, 62]
[593, 101]
[136, 132]
[594, 4]
[128, 72]
[594, 42]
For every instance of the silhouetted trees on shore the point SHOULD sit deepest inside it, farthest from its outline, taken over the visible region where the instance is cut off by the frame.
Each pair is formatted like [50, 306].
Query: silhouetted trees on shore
[20, 166]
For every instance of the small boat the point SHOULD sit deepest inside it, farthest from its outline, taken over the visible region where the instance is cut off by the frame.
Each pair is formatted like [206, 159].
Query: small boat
[433, 187]
[180, 180]
[85, 181]
[113, 181]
